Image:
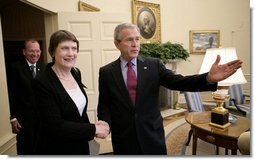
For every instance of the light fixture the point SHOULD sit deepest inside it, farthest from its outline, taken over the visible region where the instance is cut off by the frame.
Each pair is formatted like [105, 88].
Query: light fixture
[219, 115]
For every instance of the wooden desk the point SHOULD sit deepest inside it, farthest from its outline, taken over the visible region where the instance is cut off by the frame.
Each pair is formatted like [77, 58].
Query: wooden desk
[226, 138]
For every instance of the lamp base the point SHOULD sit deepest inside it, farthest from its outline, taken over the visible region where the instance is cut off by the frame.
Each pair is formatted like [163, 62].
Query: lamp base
[219, 117]
[177, 106]
[220, 126]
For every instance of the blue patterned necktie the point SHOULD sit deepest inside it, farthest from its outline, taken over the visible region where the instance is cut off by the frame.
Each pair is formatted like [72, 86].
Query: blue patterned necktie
[131, 82]
[32, 67]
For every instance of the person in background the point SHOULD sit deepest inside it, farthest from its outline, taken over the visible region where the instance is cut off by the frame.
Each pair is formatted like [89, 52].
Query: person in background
[61, 102]
[129, 94]
[23, 120]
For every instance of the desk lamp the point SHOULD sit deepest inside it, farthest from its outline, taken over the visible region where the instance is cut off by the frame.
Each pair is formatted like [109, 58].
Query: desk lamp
[219, 115]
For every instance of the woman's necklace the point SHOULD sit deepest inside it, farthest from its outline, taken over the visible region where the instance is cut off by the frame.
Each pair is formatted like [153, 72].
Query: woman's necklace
[60, 77]
[65, 79]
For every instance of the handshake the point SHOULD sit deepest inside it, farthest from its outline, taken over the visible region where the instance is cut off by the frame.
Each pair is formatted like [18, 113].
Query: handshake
[102, 129]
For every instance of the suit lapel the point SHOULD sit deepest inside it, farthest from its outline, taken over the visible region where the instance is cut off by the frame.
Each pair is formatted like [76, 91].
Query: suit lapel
[119, 81]
[27, 70]
[118, 78]
[81, 85]
[38, 68]
[141, 67]
[64, 100]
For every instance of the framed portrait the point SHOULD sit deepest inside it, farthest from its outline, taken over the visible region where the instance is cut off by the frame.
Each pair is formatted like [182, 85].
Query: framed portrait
[200, 40]
[147, 17]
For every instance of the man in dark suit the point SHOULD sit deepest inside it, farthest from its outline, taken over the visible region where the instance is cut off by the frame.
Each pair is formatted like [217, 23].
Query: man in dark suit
[22, 112]
[129, 91]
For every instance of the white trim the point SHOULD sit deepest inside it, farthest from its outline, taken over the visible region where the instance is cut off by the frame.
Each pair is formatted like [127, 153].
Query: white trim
[7, 142]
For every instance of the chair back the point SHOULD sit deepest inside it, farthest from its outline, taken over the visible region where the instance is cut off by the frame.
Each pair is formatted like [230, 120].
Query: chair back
[194, 101]
[236, 92]
[236, 103]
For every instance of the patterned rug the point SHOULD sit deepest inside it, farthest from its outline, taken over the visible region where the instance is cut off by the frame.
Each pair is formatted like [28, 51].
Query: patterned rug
[176, 139]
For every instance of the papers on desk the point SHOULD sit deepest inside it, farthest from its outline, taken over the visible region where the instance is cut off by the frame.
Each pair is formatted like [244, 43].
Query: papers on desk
[232, 118]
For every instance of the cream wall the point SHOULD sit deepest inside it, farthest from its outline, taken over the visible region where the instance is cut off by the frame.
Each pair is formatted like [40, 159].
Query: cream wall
[231, 17]
[7, 139]
[178, 17]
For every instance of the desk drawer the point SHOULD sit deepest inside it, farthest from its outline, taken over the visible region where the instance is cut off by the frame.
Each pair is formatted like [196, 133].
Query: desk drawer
[225, 142]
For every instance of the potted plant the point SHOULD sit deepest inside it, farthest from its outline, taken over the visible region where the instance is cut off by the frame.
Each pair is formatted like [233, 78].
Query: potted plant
[170, 54]
[165, 51]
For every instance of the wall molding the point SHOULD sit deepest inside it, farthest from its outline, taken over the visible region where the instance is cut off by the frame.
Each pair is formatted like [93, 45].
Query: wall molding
[8, 144]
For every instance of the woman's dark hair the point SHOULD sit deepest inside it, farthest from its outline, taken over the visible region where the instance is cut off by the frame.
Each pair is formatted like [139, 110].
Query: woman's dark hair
[58, 37]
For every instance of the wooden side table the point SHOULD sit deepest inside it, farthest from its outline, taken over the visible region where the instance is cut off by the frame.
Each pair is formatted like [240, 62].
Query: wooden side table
[226, 138]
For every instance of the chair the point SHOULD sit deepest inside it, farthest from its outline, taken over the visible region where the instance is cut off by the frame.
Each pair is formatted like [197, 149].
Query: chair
[195, 104]
[236, 103]
[243, 143]
[194, 101]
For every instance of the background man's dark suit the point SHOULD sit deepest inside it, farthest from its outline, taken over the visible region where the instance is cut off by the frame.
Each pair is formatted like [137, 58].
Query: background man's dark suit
[21, 106]
[139, 128]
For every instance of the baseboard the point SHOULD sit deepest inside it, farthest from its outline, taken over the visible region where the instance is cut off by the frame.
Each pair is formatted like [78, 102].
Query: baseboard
[8, 144]
[171, 112]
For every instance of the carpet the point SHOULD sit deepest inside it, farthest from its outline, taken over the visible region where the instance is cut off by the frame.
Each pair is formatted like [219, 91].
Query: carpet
[176, 139]
[177, 136]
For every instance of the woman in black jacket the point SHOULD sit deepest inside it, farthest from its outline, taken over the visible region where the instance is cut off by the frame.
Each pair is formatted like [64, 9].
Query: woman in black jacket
[61, 103]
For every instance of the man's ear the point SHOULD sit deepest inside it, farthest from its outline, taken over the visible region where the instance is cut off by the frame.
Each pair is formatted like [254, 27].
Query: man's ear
[24, 52]
[117, 43]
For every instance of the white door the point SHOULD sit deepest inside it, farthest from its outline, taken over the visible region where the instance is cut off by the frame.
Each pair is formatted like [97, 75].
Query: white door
[94, 30]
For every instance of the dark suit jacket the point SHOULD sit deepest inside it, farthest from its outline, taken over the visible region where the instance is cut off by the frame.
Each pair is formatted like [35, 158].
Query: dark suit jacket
[140, 125]
[21, 92]
[62, 130]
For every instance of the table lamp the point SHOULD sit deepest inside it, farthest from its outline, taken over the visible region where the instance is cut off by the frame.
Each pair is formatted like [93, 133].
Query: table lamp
[219, 115]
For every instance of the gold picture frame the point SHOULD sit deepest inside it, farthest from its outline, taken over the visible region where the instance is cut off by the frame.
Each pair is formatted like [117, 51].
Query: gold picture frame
[147, 17]
[87, 7]
[200, 40]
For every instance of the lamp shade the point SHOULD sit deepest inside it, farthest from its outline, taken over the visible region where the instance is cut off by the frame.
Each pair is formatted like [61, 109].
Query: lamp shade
[227, 55]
